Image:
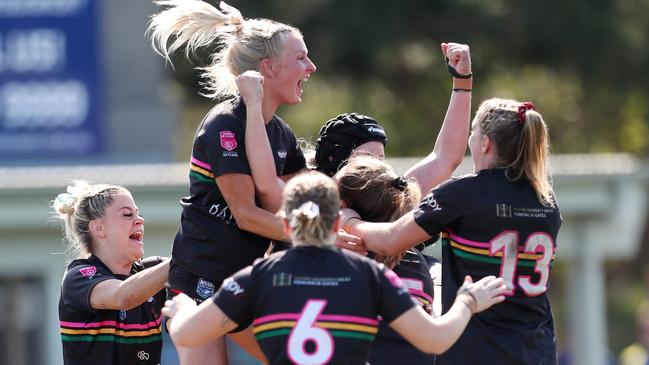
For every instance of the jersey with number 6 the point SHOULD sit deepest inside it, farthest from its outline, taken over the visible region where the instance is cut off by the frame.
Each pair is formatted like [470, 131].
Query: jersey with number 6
[494, 226]
[313, 305]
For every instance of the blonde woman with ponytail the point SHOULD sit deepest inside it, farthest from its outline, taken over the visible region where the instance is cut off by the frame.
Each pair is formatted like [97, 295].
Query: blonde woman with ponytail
[222, 229]
[111, 299]
[502, 220]
[318, 304]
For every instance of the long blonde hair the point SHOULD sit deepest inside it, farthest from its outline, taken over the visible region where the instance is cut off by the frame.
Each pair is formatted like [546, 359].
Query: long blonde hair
[241, 43]
[522, 144]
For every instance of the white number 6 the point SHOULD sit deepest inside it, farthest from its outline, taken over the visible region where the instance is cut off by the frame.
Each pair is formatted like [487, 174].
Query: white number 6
[305, 331]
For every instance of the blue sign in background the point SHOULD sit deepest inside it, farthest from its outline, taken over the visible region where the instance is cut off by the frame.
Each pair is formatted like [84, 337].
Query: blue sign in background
[50, 79]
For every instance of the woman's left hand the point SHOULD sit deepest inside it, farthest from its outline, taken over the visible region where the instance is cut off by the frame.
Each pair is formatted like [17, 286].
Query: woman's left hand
[173, 306]
[350, 242]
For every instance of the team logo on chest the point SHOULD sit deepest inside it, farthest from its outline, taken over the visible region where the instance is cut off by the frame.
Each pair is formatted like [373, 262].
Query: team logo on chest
[282, 154]
[228, 140]
[204, 288]
[122, 314]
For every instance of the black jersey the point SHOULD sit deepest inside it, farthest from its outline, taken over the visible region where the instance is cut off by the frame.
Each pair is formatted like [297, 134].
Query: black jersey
[208, 242]
[389, 347]
[110, 337]
[494, 226]
[313, 305]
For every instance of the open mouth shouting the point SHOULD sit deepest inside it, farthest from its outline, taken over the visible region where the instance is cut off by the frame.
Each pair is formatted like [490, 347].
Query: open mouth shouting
[137, 236]
[300, 86]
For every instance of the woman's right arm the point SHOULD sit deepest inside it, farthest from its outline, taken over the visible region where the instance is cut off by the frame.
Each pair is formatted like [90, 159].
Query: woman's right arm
[260, 155]
[390, 238]
[130, 293]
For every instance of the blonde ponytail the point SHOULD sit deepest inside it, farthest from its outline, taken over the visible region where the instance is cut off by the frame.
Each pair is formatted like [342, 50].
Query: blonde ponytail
[311, 204]
[521, 138]
[534, 156]
[194, 23]
[241, 43]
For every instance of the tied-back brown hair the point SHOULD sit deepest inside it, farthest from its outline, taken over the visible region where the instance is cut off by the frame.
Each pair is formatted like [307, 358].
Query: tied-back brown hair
[522, 144]
[371, 188]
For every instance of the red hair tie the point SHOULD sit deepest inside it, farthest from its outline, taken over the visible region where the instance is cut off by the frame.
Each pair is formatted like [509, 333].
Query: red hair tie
[522, 109]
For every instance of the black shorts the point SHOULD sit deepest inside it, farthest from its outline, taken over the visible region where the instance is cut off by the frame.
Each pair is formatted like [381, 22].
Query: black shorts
[194, 286]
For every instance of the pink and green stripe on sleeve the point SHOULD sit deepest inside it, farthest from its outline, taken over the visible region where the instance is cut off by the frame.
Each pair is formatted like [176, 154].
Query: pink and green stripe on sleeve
[201, 171]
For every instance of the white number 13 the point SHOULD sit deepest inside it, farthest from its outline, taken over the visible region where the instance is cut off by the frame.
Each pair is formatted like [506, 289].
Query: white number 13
[507, 242]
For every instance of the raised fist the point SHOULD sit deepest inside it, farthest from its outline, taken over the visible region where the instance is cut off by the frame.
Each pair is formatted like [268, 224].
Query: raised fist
[458, 56]
[251, 87]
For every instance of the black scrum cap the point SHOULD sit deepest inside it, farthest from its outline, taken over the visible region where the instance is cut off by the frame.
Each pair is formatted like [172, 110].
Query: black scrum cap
[340, 136]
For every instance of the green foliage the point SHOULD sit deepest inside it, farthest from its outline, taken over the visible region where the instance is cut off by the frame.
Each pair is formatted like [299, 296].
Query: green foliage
[581, 62]
[634, 129]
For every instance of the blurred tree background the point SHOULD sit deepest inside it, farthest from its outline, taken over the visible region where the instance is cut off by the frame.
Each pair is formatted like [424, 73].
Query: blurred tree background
[583, 63]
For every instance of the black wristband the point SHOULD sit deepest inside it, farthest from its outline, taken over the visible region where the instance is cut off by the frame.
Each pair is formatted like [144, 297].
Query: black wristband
[454, 72]
[462, 90]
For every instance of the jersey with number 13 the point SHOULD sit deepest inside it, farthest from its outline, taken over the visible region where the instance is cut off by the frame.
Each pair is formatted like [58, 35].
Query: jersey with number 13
[491, 225]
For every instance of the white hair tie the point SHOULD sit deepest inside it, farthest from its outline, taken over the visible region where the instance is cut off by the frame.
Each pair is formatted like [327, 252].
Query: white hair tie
[64, 203]
[64, 199]
[309, 210]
